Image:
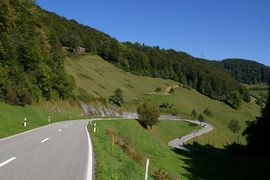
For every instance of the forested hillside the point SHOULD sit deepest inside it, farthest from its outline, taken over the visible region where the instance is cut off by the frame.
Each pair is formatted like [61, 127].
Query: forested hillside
[32, 42]
[31, 61]
[245, 71]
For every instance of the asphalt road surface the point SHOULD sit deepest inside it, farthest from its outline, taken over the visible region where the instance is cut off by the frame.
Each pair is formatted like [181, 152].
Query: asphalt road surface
[179, 143]
[60, 151]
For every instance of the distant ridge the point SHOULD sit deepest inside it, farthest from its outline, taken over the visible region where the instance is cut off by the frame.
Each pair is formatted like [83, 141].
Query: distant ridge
[245, 71]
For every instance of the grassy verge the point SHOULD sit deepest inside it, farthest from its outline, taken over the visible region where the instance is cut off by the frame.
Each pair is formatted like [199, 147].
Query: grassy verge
[12, 117]
[128, 158]
[133, 145]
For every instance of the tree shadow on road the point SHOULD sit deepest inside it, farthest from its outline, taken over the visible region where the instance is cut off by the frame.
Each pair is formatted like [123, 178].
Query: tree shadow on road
[208, 162]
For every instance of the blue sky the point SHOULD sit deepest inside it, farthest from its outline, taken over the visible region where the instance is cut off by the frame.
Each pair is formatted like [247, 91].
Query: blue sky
[213, 29]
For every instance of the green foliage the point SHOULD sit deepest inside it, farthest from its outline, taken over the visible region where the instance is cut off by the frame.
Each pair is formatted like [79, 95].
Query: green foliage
[234, 126]
[148, 114]
[208, 112]
[234, 100]
[194, 114]
[259, 102]
[201, 118]
[171, 91]
[158, 89]
[245, 71]
[259, 91]
[257, 132]
[30, 56]
[117, 97]
[33, 39]
[166, 105]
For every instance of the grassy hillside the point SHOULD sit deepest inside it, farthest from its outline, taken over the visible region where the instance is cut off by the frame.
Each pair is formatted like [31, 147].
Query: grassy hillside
[12, 117]
[137, 145]
[185, 100]
[96, 77]
[259, 91]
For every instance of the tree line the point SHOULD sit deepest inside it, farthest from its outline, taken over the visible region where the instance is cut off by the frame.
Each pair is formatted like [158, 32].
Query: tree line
[245, 71]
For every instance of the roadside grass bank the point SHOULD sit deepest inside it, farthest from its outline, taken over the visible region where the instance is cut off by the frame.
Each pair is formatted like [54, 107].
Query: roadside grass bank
[133, 145]
[12, 117]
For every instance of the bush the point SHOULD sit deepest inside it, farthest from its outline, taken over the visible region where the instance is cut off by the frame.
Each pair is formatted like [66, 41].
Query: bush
[148, 114]
[208, 112]
[194, 114]
[166, 105]
[117, 97]
[161, 175]
[158, 89]
[171, 91]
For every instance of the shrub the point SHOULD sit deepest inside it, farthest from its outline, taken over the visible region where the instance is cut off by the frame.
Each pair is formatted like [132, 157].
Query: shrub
[148, 114]
[117, 97]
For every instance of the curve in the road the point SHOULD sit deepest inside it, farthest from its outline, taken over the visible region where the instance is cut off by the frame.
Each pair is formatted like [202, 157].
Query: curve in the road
[32, 153]
[179, 142]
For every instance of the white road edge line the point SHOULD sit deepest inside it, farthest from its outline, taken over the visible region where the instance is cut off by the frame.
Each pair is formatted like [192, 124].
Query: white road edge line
[90, 159]
[59, 130]
[44, 140]
[7, 161]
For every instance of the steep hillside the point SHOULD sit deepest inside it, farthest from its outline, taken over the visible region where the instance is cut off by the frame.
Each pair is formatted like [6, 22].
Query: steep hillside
[185, 100]
[31, 58]
[245, 71]
[95, 77]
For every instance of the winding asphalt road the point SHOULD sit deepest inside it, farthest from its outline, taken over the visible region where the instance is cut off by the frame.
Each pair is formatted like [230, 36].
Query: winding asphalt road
[180, 142]
[60, 151]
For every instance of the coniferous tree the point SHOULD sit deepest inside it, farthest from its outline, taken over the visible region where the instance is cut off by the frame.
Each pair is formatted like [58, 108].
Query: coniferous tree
[117, 97]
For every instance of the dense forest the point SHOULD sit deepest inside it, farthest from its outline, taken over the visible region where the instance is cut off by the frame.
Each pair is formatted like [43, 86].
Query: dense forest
[31, 60]
[245, 71]
[33, 42]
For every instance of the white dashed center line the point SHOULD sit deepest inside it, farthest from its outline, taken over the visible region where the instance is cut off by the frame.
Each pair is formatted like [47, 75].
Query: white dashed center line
[44, 140]
[59, 130]
[7, 161]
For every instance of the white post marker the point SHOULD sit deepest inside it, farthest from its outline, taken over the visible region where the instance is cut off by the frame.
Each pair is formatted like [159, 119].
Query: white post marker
[49, 119]
[95, 128]
[146, 169]
[24, 123]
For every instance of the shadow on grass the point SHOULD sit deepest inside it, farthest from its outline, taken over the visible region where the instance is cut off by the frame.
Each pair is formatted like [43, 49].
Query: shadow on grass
[142, 124]
[207, 162]
[192, 125]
